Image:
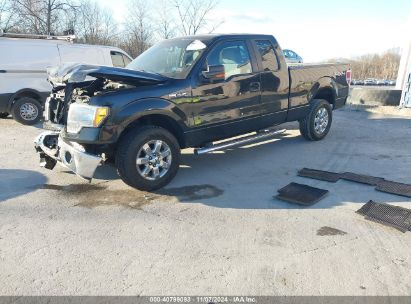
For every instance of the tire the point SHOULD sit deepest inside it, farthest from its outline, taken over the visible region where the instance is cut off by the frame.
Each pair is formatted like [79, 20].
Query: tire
[4, 115]
[316, 125]
[133, 148]
[27, 111]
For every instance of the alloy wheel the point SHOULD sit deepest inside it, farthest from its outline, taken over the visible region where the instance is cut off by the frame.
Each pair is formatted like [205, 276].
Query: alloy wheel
[28, 111]
[321, 120]
[154, 159]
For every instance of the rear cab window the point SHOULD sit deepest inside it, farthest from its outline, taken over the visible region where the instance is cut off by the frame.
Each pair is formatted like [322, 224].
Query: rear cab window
[268, 55]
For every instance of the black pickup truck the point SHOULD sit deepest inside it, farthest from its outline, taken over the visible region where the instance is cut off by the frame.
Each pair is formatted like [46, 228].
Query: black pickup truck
[180, 93]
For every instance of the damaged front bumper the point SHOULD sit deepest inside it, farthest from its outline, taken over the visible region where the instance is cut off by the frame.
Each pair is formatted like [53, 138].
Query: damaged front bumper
[53, 149]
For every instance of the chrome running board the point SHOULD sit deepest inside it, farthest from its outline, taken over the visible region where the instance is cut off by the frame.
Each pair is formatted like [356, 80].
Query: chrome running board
[239, 142]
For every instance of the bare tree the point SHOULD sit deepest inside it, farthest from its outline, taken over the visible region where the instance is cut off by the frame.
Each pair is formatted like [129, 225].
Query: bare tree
[4, 13]
[379, 66]
[139, 29]
[166, 26]
[384, 66]
[41, 16]
[94, 24]
[7, 18]
[193, 15]
[146, 21]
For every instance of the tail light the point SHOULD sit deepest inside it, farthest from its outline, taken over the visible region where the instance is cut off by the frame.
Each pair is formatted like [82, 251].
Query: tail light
[348, 76]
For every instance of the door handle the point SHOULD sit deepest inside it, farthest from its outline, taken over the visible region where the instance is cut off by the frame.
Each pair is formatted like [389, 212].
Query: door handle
[255, 87]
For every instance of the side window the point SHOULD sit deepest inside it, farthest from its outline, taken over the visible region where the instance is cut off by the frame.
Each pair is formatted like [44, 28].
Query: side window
[233, 55]
[126, 60]
[268, 56]
[117, 59]
[286, 54]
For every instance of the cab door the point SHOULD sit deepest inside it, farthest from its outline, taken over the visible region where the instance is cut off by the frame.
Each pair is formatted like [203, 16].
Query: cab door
[232, 98]
[274, 81]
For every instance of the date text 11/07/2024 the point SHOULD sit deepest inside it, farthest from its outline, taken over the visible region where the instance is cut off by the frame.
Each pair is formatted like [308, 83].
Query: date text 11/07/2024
[202, 299]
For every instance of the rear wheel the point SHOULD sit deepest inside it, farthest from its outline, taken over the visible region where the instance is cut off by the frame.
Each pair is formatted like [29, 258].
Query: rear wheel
[27, 111]
[317, 123]
[4, 115]
[148, 158]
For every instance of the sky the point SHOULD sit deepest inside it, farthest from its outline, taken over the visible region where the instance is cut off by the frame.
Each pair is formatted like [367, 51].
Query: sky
[316, 29]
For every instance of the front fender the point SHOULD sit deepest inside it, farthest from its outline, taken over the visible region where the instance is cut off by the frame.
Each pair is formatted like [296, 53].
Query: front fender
[137, 109]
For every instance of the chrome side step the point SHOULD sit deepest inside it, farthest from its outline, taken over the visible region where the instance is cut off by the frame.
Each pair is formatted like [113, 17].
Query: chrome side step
[239, 142]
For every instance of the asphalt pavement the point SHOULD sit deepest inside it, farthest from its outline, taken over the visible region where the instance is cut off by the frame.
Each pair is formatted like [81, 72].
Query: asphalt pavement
[216, 229]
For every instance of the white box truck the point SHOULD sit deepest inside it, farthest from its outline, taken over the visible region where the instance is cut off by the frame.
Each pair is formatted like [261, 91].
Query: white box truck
[24, 60]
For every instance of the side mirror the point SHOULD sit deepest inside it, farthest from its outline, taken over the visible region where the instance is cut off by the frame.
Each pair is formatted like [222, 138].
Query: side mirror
[214, 72]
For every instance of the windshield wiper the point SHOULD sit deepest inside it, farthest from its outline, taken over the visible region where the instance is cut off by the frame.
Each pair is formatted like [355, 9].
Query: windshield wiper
[151, 72]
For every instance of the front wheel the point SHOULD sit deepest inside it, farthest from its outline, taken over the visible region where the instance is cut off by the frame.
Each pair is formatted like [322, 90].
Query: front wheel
[317, 123]
[148, 158]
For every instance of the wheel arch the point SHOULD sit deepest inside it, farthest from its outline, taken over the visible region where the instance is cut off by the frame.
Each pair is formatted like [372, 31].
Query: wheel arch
[160, 120]
[32, 93]
[157, 112]
[324, 89]
[326, 93]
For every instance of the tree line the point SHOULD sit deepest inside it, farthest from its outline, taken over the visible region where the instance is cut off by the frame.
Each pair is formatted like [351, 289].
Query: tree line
[144, 23]
[378, 66]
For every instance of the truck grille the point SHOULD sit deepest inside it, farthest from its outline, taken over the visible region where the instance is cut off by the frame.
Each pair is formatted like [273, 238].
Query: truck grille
[55, 108]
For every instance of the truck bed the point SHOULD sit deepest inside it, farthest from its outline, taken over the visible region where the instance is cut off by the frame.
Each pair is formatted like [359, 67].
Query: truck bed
[303, 78]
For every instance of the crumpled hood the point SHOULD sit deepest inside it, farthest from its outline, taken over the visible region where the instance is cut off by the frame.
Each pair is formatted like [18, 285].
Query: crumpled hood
[73, 73]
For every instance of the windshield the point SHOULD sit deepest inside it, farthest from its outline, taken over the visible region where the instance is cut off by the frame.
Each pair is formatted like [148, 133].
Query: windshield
[171, 58]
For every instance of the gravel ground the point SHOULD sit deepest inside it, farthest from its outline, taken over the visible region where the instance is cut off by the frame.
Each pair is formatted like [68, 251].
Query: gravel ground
[216, 229]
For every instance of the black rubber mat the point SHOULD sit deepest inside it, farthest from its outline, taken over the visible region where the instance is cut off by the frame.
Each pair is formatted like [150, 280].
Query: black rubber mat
[363, 179]
[320, 175]
[393, 216]
[394, 188]
[301, 194]
[380, 183]
[366, 207]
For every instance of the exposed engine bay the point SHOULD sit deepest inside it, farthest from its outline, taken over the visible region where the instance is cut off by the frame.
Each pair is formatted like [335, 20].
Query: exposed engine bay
[62, 97]
[78, 83]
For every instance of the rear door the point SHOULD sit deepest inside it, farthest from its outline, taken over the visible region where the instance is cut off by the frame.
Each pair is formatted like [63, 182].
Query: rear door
[274, 77]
